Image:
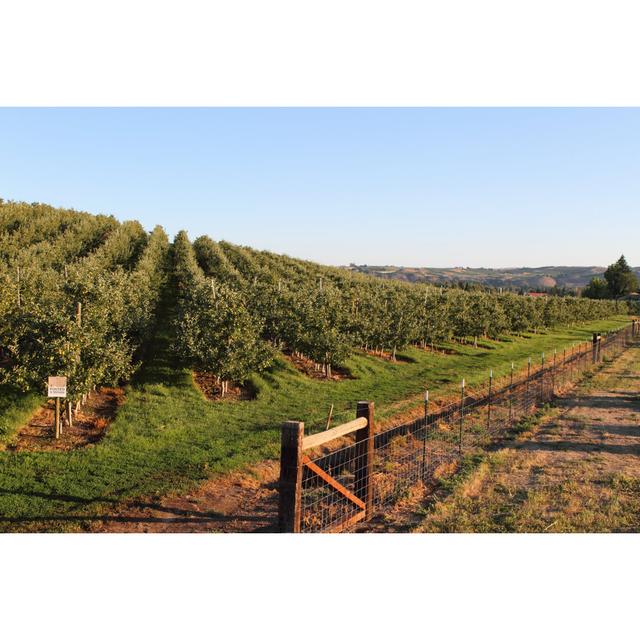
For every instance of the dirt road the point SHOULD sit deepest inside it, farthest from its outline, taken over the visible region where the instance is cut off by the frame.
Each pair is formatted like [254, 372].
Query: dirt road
[577, 470]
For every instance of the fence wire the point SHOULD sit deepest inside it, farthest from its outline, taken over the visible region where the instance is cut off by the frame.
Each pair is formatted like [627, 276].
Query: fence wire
[433, 446]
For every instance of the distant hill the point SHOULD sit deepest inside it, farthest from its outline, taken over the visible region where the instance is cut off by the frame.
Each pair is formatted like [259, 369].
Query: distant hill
[530, 278]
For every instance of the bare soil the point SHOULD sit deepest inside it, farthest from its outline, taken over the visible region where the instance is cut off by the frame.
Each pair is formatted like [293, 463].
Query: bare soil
[388, 356]
[89, 424]
[237, 502]
[440, 351]
[212, 390]
[308, 368]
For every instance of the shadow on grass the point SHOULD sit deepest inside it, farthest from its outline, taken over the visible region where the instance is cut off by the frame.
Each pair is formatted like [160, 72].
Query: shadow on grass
[175, 515]
[584, 447]
[600, 402]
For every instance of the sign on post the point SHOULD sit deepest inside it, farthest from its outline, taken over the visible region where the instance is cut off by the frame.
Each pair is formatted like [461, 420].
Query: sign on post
[57, 387]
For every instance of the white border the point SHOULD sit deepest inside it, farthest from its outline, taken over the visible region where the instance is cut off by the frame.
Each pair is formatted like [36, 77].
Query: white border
[335, 52]
[347, 52]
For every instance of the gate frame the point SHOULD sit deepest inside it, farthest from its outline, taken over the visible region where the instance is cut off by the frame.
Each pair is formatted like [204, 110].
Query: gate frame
[293, 444]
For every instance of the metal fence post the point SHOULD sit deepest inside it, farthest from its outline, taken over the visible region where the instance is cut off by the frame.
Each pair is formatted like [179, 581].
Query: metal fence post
[290, 506]
[424, 437]
[511, 397]
[572, 362]
[599, 348]
[365, 449]
[553, 374]
[461, 419]
[528, 383]
[541, 386]
[489, 400]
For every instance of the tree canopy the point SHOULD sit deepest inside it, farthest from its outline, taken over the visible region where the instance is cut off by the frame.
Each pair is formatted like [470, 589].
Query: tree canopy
[619, 281]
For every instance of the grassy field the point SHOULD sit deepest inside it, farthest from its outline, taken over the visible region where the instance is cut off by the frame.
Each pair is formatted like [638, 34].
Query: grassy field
[167, 436]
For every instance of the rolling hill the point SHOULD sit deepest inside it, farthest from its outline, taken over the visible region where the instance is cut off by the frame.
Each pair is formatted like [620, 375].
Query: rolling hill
[519, 278]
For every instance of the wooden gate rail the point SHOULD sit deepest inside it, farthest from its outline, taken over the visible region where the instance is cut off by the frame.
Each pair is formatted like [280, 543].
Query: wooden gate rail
[332, 482]
[293, 461]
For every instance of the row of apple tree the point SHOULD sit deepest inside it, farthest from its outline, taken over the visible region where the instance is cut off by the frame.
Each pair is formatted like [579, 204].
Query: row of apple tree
[324, 313]
[80, 295]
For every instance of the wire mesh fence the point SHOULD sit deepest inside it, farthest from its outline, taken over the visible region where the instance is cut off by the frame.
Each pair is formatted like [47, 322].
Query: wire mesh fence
[351, 480]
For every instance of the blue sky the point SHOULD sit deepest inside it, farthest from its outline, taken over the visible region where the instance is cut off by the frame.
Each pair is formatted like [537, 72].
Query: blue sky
[413, 187]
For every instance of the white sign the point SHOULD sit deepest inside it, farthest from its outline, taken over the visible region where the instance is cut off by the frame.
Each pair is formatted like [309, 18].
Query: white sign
[57, 387]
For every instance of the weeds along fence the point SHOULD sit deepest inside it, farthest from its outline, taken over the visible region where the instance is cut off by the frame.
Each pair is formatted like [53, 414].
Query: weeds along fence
[334, 479]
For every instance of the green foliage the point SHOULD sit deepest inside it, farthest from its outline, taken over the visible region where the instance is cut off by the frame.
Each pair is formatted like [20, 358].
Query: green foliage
[325, 313]
[215, 332]
[80, 303]
[621, 280]
[597, 289]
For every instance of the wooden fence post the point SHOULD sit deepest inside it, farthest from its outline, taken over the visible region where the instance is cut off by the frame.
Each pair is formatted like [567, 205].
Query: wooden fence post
[365, 450]
[290, 506]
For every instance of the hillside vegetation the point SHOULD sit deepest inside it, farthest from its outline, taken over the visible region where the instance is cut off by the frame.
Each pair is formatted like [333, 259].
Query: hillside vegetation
[525, 278]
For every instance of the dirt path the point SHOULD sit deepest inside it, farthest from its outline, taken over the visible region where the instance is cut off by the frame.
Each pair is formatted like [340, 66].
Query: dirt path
[237, 502]
[577, 470]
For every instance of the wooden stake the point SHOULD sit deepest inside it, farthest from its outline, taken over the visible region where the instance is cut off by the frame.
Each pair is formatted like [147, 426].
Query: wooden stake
[57, 418]
[330, 417]
[69, 414]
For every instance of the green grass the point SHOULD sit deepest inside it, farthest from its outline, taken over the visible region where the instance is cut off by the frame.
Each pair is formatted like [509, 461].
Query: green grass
[15, 408]
[167, 437]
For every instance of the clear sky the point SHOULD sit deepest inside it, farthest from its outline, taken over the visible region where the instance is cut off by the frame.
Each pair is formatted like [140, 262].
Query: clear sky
[412, 187]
